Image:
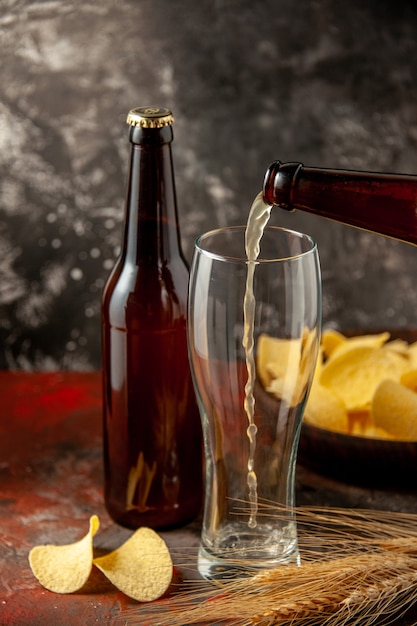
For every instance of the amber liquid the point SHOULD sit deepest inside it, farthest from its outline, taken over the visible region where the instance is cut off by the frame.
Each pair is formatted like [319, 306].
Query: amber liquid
[257, 220]
[152, 429]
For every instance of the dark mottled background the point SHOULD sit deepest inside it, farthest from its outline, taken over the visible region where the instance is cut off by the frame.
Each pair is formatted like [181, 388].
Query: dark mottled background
[327, 82]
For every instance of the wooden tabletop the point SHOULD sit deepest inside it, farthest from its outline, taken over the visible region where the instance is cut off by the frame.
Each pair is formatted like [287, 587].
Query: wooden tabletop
[51, 483]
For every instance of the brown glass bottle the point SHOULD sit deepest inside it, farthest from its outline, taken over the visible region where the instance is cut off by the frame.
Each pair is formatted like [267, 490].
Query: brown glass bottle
[381, 203]
[152, 429]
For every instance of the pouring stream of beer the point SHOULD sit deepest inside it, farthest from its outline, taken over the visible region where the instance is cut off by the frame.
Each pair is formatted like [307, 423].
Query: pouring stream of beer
[258, 218]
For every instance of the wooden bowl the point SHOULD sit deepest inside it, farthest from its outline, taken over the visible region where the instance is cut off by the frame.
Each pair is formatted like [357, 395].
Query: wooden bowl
[359, 460]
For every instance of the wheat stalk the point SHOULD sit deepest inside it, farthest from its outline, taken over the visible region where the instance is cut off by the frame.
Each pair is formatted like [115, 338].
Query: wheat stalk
[352, 584]
[366, 574]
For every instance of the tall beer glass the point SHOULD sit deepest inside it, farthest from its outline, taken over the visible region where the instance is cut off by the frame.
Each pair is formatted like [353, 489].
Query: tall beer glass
[251, 401]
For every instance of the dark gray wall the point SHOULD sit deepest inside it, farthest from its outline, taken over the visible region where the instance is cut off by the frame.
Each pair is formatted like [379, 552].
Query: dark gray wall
[327, 82]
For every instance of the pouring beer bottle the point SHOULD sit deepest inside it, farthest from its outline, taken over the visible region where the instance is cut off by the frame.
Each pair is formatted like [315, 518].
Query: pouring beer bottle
[151, 425]
[377, 202]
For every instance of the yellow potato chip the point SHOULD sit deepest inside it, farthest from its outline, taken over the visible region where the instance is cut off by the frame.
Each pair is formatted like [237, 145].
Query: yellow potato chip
[319, 366]
[330, 340]
[285, 366]
[360, 341]
[66, 568]
[274, 356]
[353, 368]
[394, 408]
[412, 355]
[398, 345]
[326, 410]
[310, 349]
[409, 379]
[141, 568]
[374, 432]
[356, 373]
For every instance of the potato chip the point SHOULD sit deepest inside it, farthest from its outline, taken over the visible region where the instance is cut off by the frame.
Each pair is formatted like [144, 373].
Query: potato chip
[412, 355]
[394, 408]
[360, 341]
[353, 368]
[374, 432]
[330, 340]
[141, 568]
[355, 374]
[319, 366]
[326, 410]
[66, 568]
[409, 379]
[284, 366]
[274, 357]
[310, 350]
[398, 345]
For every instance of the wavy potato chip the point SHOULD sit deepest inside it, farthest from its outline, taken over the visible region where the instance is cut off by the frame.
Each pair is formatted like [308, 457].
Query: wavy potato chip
[330, 340]
[326, 410]
[409, 379]
[285, 366]
[356, 373]
[354, 368]
[66, 568]
[360, 341]
[398, 345]
[274, 356]
[394, 409]
[319, 366]
[412, 355]
[374, 432]
[141, 568]
[345, 396]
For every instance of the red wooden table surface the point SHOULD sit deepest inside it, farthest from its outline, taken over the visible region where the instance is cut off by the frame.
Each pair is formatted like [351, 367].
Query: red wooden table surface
[50, 484]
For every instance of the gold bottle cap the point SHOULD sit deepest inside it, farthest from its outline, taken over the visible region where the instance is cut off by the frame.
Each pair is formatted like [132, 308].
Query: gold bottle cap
[150, 117]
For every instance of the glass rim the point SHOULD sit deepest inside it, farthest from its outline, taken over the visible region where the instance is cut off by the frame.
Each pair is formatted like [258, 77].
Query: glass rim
[243, 259]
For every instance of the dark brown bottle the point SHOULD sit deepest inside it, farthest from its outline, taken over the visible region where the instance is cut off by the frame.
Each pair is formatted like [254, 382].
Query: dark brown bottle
[152, 429]
[381, 203]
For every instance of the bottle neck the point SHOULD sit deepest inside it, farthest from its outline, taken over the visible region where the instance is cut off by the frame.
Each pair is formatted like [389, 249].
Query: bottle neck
[152, 233]
[381, 203]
